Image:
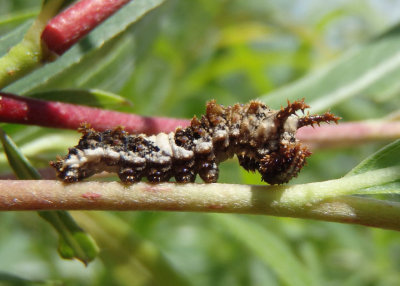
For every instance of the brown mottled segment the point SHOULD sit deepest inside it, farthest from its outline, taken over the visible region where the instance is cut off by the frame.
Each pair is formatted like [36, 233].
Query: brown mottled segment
[214, 112]
[263, 139]
[284, 113]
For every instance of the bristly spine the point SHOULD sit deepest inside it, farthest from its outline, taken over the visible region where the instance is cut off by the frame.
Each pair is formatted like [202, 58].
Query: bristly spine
[263, 139]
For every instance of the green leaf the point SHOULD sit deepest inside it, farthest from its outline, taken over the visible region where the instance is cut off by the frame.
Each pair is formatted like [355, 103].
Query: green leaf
[91, 97]
[7, 279]
[269, 248]
[28, 54]
[378, 174]
[17, 17]
[98, 39]
[126, 249]
[357, 72]
[21, 166]
[13, 37]
[73, 241]
[94, 68]
[386, 157]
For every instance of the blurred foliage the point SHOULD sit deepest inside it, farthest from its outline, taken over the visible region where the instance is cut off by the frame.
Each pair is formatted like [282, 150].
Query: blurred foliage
[178, 56]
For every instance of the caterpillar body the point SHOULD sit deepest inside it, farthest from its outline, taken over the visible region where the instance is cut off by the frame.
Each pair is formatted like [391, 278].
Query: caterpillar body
[263, 139]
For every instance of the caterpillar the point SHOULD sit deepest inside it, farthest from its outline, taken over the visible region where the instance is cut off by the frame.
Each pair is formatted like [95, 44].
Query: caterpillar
[263, 140]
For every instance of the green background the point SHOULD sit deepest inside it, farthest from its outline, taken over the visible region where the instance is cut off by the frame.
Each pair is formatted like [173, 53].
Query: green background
[169, 63]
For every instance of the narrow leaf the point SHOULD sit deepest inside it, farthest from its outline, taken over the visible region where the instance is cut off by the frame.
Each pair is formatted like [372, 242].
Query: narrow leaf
[7, 279]
[73, 241]
[17, 17]
[112, 233]
[359, 71]
[91, 97]
[28, 54]
[386, 157]
[269, 248]
[13, 37]
[104, 33]
[21, 166]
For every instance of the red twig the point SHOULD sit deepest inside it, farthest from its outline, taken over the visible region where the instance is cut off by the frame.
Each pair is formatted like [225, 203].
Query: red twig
[349, 133]
[18, 109]
[72, 24]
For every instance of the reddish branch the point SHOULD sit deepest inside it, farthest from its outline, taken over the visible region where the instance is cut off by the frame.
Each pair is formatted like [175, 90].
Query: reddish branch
[72, 24]
[349, 133]
[18, 109]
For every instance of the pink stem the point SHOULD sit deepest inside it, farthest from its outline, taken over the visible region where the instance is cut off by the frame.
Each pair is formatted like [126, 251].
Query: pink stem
[348, 133]
[72, 24]
[18, 109]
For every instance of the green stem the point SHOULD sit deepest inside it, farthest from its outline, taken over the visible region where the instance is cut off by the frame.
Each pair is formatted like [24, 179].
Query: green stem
[314, 192]
[322, 201]
[28, 54]
[356, 210]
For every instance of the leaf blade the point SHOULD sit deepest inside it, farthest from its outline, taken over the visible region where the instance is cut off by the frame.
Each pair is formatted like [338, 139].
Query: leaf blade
[387, 156]
[357, 71]
[73, 241]
[268, 248]
[90, 97]
[104, 33]
[21, 166]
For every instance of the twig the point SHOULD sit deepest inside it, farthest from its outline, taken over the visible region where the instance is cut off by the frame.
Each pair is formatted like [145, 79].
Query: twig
[27, 55]
[222, 198]
[18, 109]
[45, 38]
[349, 133]
[74, 23]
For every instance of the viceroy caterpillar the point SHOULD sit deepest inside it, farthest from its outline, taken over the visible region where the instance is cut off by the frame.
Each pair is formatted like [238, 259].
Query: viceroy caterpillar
[263, 139]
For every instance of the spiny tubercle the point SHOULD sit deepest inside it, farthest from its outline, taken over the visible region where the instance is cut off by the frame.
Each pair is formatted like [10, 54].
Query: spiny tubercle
[263, 139]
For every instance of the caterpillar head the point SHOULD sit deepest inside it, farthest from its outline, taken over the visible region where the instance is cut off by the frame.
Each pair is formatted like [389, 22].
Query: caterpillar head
[284, 163]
